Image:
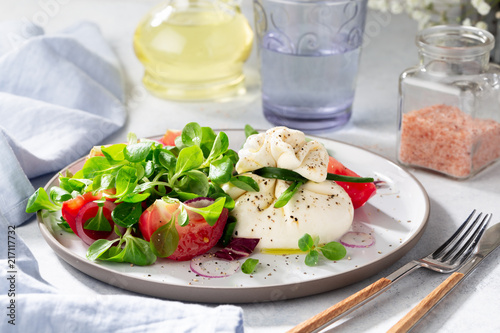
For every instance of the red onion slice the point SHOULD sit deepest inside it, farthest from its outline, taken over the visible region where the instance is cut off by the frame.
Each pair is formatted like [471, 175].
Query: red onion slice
[208, 265]
[357, 239]
[89, 210]
[200, 202]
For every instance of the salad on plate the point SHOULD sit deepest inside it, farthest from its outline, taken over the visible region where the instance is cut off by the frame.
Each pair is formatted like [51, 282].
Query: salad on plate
[189, 195]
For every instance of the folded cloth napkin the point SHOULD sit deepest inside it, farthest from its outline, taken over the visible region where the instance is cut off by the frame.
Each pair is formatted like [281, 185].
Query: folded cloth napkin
[61, 94]
[32, 305]
[107, 314]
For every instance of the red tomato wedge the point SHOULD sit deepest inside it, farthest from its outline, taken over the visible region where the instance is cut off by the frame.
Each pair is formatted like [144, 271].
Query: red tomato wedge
[358, 192]
[88, 211]
[71, 208]
[195, 238]
[168, 138]
[156, 215]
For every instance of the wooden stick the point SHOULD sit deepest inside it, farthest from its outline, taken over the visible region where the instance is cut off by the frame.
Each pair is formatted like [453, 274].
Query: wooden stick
[336, 310]
[412, 317]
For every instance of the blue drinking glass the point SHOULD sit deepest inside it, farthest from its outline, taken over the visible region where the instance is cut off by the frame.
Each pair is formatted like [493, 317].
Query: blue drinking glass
[309, 55]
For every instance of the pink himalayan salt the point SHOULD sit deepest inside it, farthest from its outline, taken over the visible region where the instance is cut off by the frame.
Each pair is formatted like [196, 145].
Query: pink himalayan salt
[445, 139]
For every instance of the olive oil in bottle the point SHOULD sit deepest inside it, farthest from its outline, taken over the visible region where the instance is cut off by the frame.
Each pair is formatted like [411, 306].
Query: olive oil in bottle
[194, 49]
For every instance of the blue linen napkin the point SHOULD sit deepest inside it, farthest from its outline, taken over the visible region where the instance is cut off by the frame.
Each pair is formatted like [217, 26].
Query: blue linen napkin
[38, 308]
[61, 94]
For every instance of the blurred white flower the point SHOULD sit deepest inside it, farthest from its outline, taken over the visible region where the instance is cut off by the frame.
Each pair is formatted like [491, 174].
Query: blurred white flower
[432, 12]
[421, 17]
[396, 7]
[380, 5]
[413, 3]
[482, 25]
[482, 7]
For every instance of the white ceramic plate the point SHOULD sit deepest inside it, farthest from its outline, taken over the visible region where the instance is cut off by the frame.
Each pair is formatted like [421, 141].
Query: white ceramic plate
[397, 216]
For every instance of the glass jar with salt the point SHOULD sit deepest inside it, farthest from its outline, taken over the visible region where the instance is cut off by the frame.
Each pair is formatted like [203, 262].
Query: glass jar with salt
[449, 105]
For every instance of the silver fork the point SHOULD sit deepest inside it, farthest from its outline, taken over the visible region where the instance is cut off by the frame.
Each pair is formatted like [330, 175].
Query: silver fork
[446, 259]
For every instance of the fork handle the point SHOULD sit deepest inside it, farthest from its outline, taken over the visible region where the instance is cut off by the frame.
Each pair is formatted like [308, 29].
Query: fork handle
[341, 307]
[419, 311]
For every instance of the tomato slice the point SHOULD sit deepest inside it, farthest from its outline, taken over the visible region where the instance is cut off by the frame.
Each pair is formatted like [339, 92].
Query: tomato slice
[195, 238]
[359, 193]
[71, 208]
[168, 138]
[198, 237]
[88, 211]
[156, 215]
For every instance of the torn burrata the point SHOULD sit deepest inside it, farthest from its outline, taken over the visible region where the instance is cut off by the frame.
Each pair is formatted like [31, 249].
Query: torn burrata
[320, 207]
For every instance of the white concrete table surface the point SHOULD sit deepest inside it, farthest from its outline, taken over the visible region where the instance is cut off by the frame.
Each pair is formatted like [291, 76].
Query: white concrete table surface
[388, 49]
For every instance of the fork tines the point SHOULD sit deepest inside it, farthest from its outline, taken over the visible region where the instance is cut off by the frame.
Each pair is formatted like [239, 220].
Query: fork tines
[461, 244]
